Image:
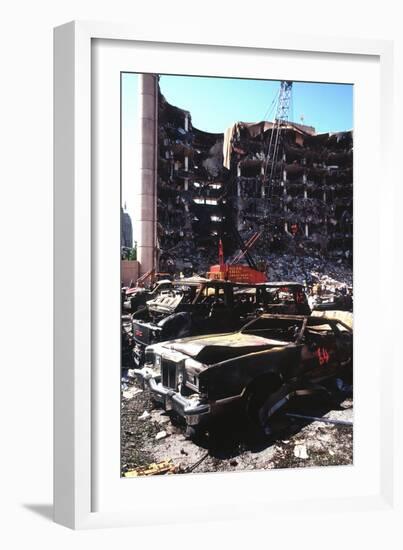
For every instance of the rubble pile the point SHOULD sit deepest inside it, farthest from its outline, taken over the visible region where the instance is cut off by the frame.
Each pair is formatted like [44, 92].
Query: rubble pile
[311, 270]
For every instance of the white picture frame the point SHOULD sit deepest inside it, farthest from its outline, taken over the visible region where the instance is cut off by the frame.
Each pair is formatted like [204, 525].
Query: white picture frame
[87, 489]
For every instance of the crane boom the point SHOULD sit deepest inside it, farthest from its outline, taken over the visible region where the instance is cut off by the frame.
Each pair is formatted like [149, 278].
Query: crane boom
[280, 122]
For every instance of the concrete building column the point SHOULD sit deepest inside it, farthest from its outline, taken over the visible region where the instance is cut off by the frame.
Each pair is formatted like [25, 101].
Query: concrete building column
[239, 220]
[262, 170]
[285, 206]
[146, 184]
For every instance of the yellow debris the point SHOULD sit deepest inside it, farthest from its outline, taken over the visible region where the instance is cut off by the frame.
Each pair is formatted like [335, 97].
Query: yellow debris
[165, 467]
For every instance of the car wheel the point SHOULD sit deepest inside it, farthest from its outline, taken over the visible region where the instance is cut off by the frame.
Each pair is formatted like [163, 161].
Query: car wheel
[256, 401]
[195, 434]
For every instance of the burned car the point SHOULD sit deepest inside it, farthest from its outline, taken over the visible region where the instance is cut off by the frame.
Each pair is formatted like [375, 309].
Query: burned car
[342, 301]
[203, 306]
[256, 371]
[136, 297]
[280, 297]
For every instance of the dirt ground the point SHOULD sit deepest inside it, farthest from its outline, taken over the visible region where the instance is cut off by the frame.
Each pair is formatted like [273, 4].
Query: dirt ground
[303, 443]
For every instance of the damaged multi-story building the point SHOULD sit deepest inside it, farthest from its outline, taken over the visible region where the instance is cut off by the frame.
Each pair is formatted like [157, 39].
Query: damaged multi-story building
[201, 201]
[225, 186]
[307, 203]
[192, 186]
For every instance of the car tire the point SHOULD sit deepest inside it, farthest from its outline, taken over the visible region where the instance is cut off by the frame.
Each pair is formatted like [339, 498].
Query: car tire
[255, 400]
[195, 434]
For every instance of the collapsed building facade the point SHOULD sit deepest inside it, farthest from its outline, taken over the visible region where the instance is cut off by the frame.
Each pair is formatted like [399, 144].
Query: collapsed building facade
[191, 190]
[216, 186]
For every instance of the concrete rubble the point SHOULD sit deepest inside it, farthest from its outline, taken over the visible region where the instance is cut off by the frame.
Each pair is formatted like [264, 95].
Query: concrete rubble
[131, 392]
[305, 444]
[300, 451]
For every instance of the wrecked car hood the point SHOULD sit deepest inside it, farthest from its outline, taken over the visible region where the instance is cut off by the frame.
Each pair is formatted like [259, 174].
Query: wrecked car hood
[222, 346]
[165, 303]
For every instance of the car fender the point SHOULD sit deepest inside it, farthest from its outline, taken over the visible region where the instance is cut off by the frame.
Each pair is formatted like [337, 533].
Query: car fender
[231, 377]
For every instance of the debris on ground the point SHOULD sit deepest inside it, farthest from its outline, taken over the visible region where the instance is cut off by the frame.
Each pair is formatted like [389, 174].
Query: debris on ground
[145, 415]
[326, 444]
[161, 435]
[318, 419]
[300, 451]
[165, 467]
[131, 392]
[196, 464]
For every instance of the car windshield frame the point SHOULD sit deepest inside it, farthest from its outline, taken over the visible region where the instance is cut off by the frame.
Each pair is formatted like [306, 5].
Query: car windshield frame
[296, 339]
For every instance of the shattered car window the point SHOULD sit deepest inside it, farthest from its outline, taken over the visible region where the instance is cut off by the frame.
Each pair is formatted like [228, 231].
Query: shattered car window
[282, 295]
[210, 294]
[188, 293]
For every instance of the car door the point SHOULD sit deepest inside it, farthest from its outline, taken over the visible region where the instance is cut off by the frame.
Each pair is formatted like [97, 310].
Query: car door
[221, 315]
[345, 351]
[319, 353]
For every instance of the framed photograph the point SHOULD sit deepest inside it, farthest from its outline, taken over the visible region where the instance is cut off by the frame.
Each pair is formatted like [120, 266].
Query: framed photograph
[221, 213]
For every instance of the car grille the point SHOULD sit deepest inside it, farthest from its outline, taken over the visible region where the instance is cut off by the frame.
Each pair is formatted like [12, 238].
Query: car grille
[168, 374]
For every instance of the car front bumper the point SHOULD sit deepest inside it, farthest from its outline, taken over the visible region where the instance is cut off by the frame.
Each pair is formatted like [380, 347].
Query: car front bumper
[190, 409]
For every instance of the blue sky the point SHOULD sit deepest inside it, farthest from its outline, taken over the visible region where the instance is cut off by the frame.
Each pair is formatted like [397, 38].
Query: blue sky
[215, 103]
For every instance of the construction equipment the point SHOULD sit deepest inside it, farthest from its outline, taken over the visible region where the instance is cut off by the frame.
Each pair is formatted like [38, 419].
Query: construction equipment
[280, 122]
[148, 275]
[248, 245]
[234, 271]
